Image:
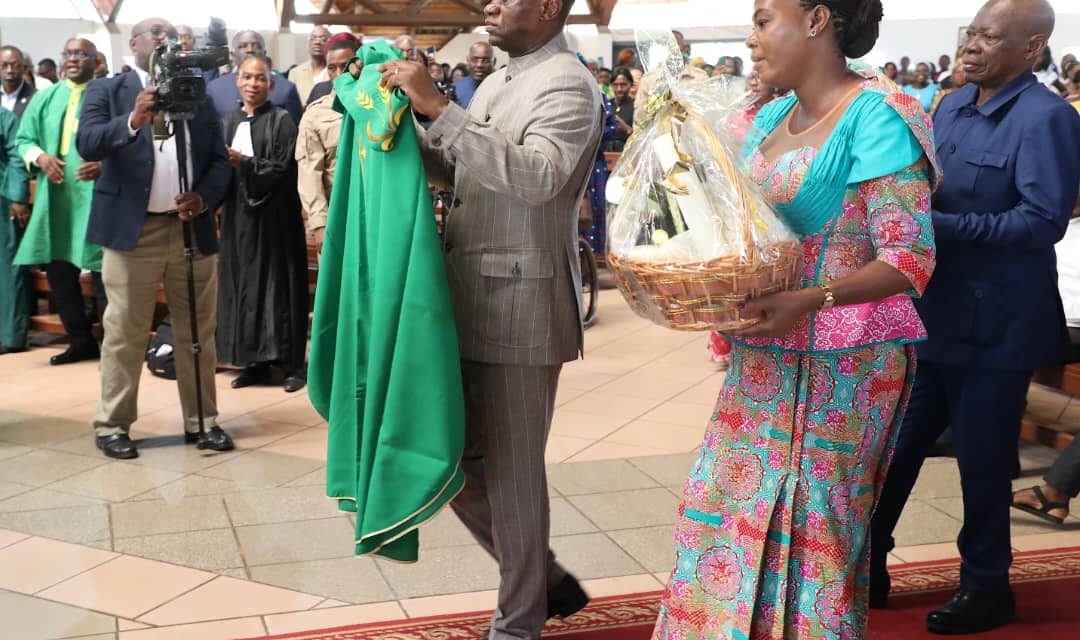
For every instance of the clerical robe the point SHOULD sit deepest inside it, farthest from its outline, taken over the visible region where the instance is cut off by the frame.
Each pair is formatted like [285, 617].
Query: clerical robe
[385, 369]
[14, 281]
[262, 284]
[61, 214]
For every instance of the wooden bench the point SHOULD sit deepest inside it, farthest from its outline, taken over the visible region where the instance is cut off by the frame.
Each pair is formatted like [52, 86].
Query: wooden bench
[1034, 428]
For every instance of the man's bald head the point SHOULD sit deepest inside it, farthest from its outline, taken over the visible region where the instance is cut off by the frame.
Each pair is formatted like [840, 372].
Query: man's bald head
[1004, 41]
[481, 61]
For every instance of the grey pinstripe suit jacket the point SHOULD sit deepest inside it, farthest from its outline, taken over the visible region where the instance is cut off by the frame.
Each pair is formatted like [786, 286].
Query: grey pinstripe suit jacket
[519, 160]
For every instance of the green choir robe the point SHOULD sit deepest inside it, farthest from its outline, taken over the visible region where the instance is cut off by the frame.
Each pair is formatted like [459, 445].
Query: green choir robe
[57, 228]
[385, 367]
[14, 280]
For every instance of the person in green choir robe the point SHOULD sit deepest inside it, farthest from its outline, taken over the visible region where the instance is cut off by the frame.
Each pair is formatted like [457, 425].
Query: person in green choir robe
[384, 368]
[56, 232]
[14, 282]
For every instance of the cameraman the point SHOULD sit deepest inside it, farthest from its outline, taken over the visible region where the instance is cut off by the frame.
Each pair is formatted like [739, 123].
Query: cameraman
[136, 216]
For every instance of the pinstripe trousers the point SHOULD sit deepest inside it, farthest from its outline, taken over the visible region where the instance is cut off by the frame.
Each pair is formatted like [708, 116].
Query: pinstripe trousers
[508, 411]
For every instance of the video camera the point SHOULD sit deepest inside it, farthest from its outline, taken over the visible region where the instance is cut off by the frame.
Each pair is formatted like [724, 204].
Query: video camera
[178, 74]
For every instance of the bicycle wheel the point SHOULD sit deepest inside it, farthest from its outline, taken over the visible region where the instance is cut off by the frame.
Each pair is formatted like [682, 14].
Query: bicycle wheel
[590, 285]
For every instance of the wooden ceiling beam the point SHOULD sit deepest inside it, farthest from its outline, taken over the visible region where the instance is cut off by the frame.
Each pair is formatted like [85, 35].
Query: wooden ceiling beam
[471, 5]
[286, 13]
[416, 6]
[370, 5]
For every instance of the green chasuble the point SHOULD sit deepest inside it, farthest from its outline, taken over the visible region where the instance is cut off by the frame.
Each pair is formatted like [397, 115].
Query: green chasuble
[14, 281]
[384, 368]
[57, 229]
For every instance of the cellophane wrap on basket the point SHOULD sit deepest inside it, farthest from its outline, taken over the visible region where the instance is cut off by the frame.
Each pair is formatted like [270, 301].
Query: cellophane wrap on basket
[689, 235]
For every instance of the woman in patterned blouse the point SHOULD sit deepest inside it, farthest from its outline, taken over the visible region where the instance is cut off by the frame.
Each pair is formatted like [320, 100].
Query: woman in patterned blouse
[771, 540]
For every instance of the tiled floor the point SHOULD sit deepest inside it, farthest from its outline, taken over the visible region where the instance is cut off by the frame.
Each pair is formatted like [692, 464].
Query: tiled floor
[178, 545]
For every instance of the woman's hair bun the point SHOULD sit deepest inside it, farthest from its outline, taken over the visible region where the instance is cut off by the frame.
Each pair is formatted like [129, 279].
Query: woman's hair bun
[861, 27]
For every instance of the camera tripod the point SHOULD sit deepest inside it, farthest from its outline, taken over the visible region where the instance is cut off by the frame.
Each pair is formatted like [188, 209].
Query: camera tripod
[180, 131]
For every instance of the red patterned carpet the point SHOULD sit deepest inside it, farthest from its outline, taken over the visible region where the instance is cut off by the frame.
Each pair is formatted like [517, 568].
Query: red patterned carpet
[1047, 585]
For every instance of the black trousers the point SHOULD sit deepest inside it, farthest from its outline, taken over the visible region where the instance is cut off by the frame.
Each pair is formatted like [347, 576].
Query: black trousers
[983, 407]
[64, 282]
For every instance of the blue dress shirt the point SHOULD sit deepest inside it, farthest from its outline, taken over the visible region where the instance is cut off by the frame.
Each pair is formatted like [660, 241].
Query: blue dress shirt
[1011, 170]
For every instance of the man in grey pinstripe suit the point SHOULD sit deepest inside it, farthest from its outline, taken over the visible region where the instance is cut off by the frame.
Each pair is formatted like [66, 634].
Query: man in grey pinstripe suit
[518, 159]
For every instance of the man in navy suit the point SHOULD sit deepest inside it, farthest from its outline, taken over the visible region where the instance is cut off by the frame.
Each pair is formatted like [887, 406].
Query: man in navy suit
[1011, 167]
[226, 95]
[481, 63]
[136, 216]
[15, 92]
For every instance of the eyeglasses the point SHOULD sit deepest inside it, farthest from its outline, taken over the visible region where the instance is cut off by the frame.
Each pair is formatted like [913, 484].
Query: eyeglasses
[315, 38]
[77, 54]
[157, 32]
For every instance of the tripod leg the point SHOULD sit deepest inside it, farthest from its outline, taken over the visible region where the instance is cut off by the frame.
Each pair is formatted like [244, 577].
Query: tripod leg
[196, 347]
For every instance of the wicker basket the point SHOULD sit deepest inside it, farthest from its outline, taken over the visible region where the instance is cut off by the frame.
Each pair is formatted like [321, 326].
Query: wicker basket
[701, 296]
[696, 297]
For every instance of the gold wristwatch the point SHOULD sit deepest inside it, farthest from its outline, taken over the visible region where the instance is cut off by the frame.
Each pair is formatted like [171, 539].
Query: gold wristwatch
[830, 300]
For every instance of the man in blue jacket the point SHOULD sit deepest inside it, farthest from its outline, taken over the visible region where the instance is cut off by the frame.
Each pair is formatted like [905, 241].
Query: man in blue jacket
[136, 216]
[1011, 165]
[481, 63]
[226, 95]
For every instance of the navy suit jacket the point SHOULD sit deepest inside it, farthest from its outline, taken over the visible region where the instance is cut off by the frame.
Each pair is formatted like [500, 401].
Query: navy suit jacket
[26, 91]
[1011, 169]
[226, 96]
[122, 193]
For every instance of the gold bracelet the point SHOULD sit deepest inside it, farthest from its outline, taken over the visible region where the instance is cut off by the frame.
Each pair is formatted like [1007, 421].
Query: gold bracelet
[830, 300]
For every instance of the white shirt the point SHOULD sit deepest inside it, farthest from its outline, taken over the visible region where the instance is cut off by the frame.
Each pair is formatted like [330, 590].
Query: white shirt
[1068, 264]
[242, 139]
[9, 100]
[165, 182]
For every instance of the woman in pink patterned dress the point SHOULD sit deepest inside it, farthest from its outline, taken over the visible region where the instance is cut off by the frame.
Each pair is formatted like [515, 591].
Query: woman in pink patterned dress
[771, 541]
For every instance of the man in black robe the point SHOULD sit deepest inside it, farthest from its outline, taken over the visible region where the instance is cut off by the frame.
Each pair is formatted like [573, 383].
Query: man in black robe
[263, 300]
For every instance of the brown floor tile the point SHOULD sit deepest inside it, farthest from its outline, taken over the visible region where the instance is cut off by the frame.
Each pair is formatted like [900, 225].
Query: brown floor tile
[150, 517]
[258, 470]
[577, 478]
[593, 555]
[355, 579]
[115, 481]
[210, 550]
[224, 598]
[37, 563]
[628, 509]
[127, 586]
[73, 524]
[330, 618]
[442, 571]
[296, 541]
[29, 618]
[280, 505]
[41, 467]
[220, 630]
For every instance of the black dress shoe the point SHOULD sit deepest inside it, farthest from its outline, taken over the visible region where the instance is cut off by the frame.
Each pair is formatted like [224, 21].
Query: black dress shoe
[973, 612]
[216, 440]
[880, 582]
[76, 354]
[567, 598]
[117, 446]
[294, 382]
[251, 376]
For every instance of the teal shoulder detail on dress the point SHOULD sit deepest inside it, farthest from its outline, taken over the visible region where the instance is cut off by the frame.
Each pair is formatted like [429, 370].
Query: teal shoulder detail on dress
[770, 117]
[883, 141]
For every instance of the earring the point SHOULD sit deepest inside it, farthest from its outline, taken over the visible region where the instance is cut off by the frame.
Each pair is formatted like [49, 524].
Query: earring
[813, 33]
